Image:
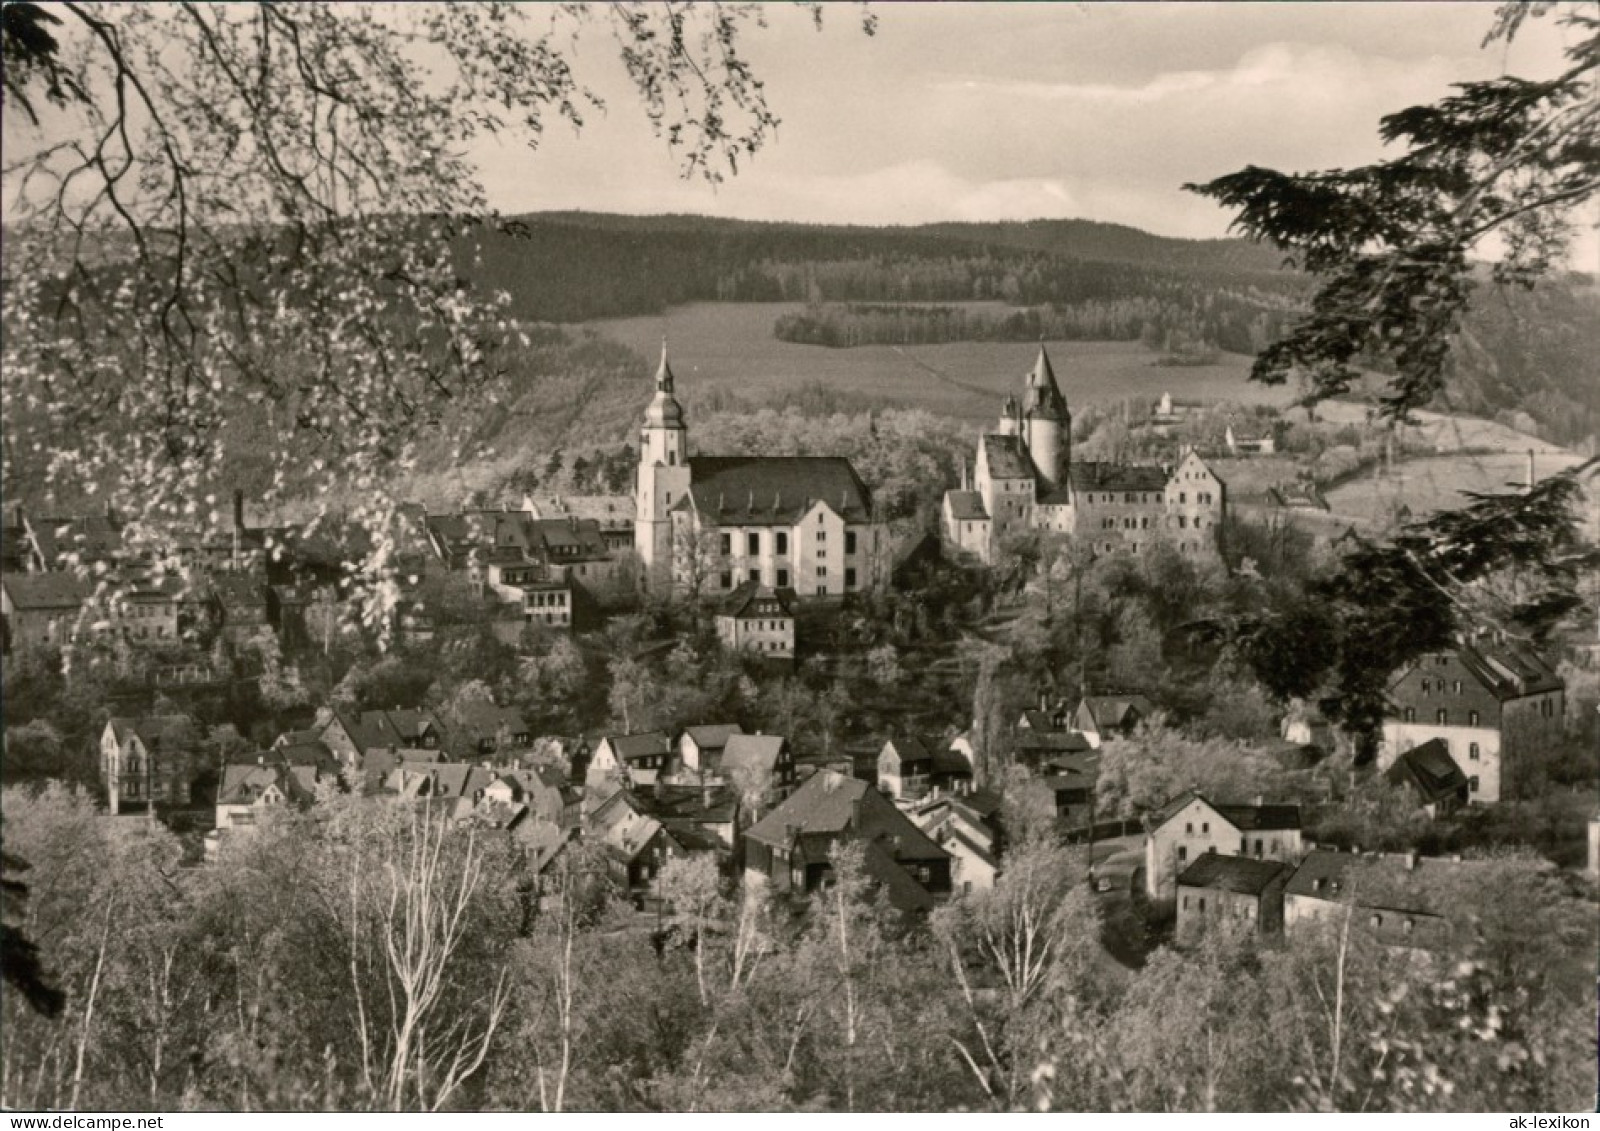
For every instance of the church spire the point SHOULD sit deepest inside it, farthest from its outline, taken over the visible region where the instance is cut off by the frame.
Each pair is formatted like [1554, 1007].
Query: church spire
[664, 370]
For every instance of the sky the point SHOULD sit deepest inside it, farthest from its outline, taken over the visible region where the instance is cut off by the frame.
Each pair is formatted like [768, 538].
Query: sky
[1006, 111]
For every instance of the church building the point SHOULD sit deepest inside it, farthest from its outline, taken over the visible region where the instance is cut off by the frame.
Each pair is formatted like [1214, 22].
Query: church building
[1025, 479]
[707, 524]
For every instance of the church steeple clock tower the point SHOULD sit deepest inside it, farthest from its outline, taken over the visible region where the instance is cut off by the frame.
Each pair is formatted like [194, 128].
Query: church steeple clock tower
[663, 473]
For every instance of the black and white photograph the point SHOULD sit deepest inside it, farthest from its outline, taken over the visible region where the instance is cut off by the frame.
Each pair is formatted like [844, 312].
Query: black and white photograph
[709, 557]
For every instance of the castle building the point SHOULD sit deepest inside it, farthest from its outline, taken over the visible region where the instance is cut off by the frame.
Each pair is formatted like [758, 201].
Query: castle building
[1025, 479]
[706, 524]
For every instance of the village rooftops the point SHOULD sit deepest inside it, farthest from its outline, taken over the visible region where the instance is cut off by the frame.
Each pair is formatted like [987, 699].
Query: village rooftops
[775, 490]
[644, 744]
[752, 751]
[712, 736]
[155, 730]
[246, 783]
[1231, 873]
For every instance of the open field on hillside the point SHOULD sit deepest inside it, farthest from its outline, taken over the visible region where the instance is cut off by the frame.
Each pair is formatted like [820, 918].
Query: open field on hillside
[730, 346]
[1446, 433]
[1434, 483]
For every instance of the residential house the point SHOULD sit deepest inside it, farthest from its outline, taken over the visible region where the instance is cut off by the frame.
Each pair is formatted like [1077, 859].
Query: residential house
[250, 789]
[790, 849]
[1304, 724]
[698, 817]
[1217, 889]
[1438, 783]
[150, 759]
[966, 826]
[1383, 896]
[1488, 700]
[354, 736]
[612, 515]
[700, 747]
[481, 729]
[632, 759]
[758, 619]
[766, 758]
[41, 610]
[909, 768]
[1243, 440]
[1102, 717]
[1190, 827]
[239, 603]
[1071, 780]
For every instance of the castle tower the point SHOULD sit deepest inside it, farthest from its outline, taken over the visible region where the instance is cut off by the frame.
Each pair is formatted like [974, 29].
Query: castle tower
[1008, 417]
[663, 473]
[1046, 421]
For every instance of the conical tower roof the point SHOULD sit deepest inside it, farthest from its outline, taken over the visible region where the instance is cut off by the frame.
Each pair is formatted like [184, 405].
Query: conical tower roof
[664, 410]
[1043, 397]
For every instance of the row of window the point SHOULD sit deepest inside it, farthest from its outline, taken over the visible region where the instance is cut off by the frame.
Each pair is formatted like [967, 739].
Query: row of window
[1441, 717]
[1243, 910]
[754, 575]
[781, 542]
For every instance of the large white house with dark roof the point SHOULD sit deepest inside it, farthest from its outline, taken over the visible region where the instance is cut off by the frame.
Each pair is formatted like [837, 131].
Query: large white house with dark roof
[711, 523]
[1025, 479]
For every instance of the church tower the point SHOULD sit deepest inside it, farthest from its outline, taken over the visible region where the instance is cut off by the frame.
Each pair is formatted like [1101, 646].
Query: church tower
[663, 473]
[1047, 425]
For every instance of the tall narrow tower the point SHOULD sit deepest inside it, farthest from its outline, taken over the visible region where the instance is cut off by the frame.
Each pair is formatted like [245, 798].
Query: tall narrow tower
[663, 475]
[1047, 423]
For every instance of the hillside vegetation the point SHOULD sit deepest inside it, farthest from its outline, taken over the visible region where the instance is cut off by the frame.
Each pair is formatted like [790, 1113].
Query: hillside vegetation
[1525, 358]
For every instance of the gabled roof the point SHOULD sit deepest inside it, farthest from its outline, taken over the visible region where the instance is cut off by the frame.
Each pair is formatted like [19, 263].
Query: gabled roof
[43, 591]
[483, 720]
[775, 490]
[154, 730]
[1100, 476]
[748, 596]
[908, 749]
[440, 780]
[371, 730]
[1117, 710]
[966, 506]
[1060, 741]
[1245, 818]
[644, 744]
[829, 804]
[1232, 873]
[1431, 771]
[712, 736]
[1006, 457]
[755, 751]
[244, 783]
[1507, 670]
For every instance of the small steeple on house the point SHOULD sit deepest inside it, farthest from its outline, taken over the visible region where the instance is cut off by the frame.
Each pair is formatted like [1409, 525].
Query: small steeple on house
[1025, 478]
[707, 524]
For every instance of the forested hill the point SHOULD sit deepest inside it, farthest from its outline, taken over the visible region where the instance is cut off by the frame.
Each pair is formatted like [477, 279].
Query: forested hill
[1525, 358]
[575, 266]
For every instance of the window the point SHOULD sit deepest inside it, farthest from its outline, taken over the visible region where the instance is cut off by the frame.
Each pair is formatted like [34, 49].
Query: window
[849, 541]
[1183, 522]
[1409, 715]
[849, 579]
[1427, 686]
[1258, 846]
[1183, 853]
[819, 517]
[1472, 783]
[727, 579]
[783, 577]
[782, 540]
[1472, 752]
[822, 535]
[1189, 827]
[1202, 903]
[822, 571]
[1186, 902]
[1458, 687]
[669, 498]
[1183, 497]
[755, 576]
[727, 544]
[822, 591]
[1205, 826]
[1472, 718]
[1443, 717]
[753, 543]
